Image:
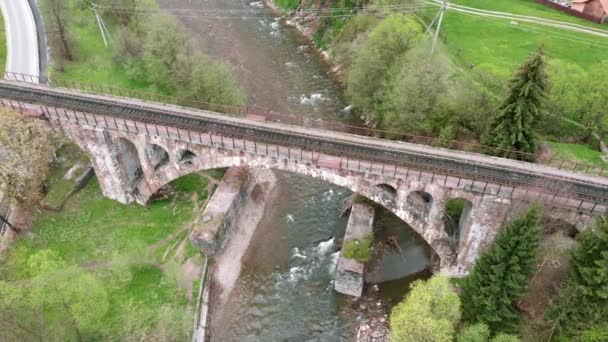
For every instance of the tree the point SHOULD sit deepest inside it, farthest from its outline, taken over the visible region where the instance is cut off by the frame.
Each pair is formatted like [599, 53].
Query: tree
[429, 312]
[513, 128]
[386, 43]
[413, 94]
[481, 333]
[58, 21]
[164, 42]
[58, 302]
[576, 97]
[582, 304]
[202, 79]
[128, 10]
[474, 333]
[500, 276]
[26, 151]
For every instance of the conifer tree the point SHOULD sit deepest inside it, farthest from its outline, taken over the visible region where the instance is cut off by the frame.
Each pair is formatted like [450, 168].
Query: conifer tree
[582, 304]
[513, 127]
[501, 274]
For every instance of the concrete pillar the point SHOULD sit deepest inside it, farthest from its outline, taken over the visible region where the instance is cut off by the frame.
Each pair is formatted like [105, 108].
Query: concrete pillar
[104, 156]
[350, 274]
[486, 218]
[209, 234]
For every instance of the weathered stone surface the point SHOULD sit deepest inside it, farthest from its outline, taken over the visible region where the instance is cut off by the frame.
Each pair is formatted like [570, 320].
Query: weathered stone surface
[418, 198]
[350, 274]
[207, 233]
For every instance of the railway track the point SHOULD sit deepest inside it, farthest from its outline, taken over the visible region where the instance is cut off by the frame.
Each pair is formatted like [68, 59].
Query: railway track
[423, 158]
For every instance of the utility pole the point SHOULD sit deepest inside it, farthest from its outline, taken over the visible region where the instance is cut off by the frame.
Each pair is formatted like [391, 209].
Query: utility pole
[103, 27]
[444, 6]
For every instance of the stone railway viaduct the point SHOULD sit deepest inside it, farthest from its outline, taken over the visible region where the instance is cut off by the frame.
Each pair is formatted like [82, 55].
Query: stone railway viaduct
[137, 147]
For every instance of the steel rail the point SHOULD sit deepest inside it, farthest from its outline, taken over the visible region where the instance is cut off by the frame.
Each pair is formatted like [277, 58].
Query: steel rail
[176, 119]
[302, 121]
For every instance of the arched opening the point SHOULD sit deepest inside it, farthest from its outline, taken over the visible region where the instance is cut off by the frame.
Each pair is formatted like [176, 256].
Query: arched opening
[186, 156]
[388, 191]
[456, 214]
[129, 161]
[419, 203]
[401, 256]
[157, 156]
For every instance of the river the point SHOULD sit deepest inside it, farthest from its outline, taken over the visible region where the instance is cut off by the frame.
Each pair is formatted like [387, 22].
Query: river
[285, 291]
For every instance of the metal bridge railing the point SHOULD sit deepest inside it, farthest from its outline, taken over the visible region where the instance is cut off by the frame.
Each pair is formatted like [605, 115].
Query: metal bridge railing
[259, 113]
[327, 157]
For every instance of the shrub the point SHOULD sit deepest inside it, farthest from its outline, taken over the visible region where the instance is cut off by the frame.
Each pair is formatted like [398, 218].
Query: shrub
[359, 249]
[474, 333]
[386, 43]
[429, 312]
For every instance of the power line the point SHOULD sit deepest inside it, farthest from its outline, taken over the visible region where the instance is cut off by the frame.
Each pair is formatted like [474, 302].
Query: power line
[132, 9]
[441, 14]
[254, 14]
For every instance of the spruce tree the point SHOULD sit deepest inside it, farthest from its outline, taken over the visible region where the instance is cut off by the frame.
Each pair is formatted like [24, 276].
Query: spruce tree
[513, 127]
[582, 304]
[501, 274]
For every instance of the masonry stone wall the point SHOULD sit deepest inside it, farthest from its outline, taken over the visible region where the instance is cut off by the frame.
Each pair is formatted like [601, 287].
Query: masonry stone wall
[350, 274]
[487, 211]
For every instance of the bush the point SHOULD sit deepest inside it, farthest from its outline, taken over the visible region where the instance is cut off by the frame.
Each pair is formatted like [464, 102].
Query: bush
[429, 312]
[481, 333]
[164, 59]
[359, 249]
[386, 43]
[474, 333]
[411, 98]
[212, 82]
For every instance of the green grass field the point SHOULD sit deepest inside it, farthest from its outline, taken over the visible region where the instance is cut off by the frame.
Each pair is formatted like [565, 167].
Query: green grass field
[527, 7]
[500, 46]
[94, 62]
[578, 153]
[121, 245]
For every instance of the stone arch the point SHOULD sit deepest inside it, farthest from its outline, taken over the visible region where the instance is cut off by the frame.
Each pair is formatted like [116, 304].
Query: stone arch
[186, 157]
[388, 190]
[419, 203]
[129, 162]
[211, 158]
[157, 156]
[456, 217]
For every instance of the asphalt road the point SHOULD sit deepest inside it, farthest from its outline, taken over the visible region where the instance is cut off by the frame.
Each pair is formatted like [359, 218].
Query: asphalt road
[21, 39]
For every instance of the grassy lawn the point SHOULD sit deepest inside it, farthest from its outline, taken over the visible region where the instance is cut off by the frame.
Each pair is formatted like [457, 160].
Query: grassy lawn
[577, 152]
[2, 45]
[527, 7]
[121, 245]
[94, 62]
[500, 46]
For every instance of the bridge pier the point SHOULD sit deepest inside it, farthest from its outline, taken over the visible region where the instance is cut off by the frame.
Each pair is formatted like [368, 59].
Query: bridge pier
[350, 273]
[133, 161]
[106, 160]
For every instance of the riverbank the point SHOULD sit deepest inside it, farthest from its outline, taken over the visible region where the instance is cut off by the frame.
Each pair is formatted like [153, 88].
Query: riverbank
[139, 269]
[259, 195]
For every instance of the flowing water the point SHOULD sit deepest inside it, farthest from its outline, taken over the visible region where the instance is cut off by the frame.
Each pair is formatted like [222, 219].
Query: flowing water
[285, 291]
[275, 65]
